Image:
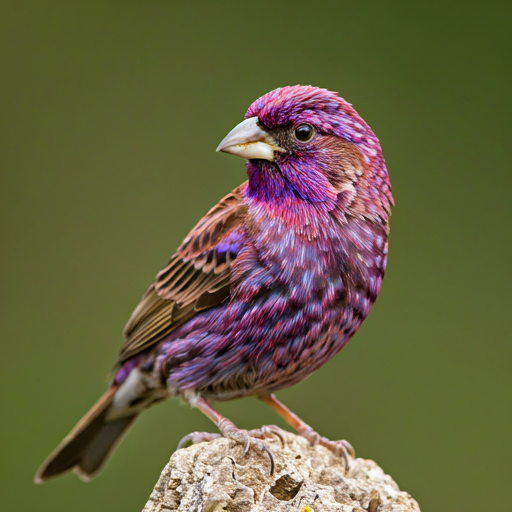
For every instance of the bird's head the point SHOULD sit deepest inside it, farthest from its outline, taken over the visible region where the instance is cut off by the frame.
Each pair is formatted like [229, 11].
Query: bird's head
[310, 143]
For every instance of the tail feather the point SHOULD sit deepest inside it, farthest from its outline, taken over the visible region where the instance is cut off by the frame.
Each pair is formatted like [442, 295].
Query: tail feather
[100, 447]
[88, 445]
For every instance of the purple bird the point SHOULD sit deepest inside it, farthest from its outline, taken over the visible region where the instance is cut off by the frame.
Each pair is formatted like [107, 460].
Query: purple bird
[268, 286]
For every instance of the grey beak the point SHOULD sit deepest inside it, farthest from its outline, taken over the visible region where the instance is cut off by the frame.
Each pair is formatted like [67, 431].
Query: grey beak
[249, 141]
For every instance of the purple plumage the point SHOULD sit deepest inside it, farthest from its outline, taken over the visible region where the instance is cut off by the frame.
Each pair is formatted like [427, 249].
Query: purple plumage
[270, 284]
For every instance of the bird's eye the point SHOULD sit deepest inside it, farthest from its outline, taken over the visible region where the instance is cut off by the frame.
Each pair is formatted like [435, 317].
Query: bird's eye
[304, 132]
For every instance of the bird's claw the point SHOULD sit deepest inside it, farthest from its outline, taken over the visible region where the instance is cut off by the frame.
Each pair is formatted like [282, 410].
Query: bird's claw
[196, 437]
[341, 444]
[250, 438]
[266, 431]
[340, 448]
[245, 438]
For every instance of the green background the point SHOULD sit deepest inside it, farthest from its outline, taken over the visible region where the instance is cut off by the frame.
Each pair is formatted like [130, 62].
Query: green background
[110, 113]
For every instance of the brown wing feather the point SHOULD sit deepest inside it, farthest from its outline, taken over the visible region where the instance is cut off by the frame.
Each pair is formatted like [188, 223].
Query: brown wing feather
[197, 277]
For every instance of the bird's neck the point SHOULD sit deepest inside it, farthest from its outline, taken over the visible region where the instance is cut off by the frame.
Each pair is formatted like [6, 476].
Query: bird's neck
[270, 195]
[266, 184]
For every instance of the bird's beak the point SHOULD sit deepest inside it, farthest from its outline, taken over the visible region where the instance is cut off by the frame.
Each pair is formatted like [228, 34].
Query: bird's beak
[249, 141]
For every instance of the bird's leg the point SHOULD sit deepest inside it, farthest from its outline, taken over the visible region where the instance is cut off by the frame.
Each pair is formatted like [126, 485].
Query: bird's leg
[342, 448]
[230, 430]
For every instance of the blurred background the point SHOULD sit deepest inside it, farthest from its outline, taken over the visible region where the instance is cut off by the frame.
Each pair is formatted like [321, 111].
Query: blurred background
[110, 113]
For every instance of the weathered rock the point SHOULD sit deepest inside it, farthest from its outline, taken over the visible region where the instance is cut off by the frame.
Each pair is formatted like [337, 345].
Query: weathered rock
[217, 476]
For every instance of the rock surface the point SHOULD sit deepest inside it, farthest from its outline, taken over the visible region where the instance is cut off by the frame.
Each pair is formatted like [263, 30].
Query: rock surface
[217, 476]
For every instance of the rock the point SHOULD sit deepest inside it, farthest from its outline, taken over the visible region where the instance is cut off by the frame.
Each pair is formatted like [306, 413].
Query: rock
[217, 476]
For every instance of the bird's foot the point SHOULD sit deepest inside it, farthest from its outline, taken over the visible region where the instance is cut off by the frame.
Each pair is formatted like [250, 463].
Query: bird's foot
[197, 437]
[251, 438]
[268, 431]
[340, 448]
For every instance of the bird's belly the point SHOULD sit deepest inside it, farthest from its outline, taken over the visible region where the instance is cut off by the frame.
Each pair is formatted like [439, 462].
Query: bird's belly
[257, 347]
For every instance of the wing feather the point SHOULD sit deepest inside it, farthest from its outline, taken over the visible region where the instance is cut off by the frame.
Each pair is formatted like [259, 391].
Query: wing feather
[196, 277]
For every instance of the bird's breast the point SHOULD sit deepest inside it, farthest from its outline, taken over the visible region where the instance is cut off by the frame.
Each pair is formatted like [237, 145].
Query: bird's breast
[295, 281]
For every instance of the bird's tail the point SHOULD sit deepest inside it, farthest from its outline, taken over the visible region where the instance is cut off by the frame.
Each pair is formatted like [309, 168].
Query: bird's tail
[88, 445]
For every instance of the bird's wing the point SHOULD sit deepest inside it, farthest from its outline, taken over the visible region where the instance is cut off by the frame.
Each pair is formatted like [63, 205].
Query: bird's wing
[197, 277]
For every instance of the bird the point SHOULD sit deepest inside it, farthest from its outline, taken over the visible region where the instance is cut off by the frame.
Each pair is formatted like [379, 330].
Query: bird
[267, 287]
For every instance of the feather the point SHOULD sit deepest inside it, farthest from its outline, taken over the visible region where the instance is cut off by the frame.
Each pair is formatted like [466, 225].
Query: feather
[196, 277]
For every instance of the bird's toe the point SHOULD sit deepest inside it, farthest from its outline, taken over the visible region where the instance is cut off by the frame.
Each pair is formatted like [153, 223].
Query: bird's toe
[267, 431]
[342, 448]
[196, 437]
[249, 439]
